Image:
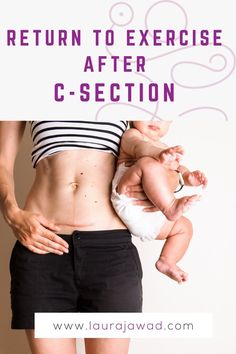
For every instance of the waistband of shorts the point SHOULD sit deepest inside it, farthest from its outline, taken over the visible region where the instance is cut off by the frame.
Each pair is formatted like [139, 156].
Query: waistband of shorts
[113, 236]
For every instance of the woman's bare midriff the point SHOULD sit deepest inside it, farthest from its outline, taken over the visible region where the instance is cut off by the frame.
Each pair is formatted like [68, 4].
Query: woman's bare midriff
[72, 189]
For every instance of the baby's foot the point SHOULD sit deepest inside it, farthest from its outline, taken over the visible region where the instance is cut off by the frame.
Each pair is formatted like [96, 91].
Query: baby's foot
[180, 206]
[171, 270]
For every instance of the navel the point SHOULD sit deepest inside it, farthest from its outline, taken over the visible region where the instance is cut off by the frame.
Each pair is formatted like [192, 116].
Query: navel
[74, 186]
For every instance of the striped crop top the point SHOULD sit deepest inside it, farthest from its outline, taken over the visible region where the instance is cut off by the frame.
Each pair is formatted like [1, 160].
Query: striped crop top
[50, 137]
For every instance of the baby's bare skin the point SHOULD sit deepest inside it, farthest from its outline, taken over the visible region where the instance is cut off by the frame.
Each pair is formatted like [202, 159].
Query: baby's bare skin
[159, 178]
[165, 166]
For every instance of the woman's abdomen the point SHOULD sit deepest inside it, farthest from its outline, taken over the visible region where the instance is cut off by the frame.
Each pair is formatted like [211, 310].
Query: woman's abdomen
[73, 191]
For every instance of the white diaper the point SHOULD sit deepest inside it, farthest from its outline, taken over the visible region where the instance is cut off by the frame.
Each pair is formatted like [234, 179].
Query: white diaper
[146, 225]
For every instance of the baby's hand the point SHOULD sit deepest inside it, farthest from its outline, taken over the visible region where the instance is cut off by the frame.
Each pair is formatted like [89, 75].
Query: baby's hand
[195, 179]
[170, 157]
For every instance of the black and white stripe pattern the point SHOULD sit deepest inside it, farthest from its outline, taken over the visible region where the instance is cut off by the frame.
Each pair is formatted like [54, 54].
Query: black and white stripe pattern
[50, 137]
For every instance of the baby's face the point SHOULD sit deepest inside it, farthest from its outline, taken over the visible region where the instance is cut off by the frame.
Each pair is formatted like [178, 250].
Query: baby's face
[153, 129]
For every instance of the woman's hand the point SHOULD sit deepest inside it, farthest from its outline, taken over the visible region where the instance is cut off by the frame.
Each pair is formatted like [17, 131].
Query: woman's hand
[36, 233]
[142, 200]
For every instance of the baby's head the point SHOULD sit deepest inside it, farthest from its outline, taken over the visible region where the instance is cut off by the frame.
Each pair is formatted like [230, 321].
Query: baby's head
[153, 129]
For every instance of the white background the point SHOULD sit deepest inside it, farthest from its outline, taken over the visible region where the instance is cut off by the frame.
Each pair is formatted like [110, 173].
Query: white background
[28, 74]
[209, 141]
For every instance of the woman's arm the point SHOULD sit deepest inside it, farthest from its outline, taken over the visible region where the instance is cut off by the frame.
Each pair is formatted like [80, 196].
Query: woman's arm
[10, 136]
[31, 229]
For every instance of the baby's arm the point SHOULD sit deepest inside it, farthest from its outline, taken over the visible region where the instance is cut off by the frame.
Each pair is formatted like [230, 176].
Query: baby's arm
[134, 145]
[194, 178]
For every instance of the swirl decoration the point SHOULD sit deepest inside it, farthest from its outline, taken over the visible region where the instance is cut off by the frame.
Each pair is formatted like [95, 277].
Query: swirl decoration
[121, 14]
[205, 108]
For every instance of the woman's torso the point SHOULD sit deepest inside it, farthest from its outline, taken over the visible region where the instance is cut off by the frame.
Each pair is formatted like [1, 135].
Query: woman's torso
[72, 189]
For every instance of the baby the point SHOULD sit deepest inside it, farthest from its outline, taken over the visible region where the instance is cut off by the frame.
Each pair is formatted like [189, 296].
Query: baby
[161, 175]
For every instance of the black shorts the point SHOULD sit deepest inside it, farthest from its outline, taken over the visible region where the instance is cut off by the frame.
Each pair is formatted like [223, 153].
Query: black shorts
[101, 273]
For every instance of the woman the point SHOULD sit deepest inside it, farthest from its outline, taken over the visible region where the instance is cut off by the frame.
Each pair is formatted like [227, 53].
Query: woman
[73, 253]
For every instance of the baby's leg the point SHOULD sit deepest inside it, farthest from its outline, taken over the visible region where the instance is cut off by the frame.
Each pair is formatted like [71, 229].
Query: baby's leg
[178, 236]
[158, 184]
